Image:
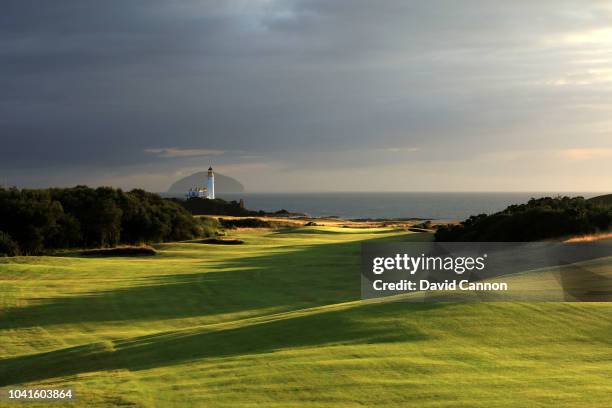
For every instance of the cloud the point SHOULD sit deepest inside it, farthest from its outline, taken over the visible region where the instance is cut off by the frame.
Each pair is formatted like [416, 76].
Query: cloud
[587, 153]
[341, 84]
[401, 149]
[600, 36]
[176, 152]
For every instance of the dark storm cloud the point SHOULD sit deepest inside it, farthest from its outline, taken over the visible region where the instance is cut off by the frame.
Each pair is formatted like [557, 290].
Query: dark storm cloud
[99, 84]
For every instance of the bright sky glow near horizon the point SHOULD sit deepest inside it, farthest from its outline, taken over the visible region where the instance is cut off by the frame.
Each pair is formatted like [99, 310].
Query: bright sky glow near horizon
[343, 95]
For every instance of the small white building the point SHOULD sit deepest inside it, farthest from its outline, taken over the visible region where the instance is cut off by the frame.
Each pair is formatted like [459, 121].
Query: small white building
[197, 192]
[204, 192]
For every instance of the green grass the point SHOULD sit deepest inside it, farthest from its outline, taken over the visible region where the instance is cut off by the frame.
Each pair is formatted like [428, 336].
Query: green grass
[277, 322]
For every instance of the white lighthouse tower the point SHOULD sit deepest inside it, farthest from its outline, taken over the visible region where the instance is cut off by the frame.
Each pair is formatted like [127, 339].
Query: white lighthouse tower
[210, 186]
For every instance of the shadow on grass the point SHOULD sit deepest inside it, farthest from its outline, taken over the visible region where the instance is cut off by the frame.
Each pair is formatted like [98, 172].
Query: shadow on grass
[309, 276]
[358, 325]
[322, 231]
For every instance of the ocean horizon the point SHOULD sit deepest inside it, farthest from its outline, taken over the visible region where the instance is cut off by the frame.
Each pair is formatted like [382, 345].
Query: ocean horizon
[424, 205]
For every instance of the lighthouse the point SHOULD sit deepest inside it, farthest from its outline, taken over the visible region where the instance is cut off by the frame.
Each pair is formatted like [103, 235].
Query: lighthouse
[210, 185]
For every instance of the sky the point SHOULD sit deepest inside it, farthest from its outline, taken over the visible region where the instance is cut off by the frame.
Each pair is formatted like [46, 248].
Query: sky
[342, 95]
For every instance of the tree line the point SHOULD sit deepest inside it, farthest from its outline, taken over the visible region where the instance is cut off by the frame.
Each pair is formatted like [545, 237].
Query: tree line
[33, 221]
[538, 219]
[204, 206]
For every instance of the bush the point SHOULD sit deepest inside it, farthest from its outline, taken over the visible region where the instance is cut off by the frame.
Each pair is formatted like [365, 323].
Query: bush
[83, 217]
[8, 247]
[209, 227]
[538, 219]
[244, 223]
[204, 206]
[425, 225]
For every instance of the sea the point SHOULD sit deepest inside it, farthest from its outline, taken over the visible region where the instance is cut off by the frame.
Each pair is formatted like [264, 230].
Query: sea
[435, 206]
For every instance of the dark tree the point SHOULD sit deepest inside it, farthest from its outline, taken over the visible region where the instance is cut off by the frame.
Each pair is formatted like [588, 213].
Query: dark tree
[8, 247]
[538, 219]
[82, 217]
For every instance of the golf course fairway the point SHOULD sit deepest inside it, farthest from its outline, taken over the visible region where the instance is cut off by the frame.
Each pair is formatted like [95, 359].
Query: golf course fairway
[277, 322]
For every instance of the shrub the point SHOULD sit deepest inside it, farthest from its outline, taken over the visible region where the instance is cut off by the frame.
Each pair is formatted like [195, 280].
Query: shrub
[244, 223]
[83, 217]
[538, 219]
[204, 206]
[209, 227]
[8, 247]
[423, 225]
